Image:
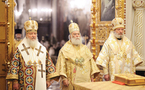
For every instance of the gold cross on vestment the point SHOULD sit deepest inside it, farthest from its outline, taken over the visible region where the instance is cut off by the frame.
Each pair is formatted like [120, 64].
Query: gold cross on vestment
[30, 88]
[51, 69]
[29, 71]
[41, 70]
[21, 81]
[39, 50]
[48, 62]
[20, 73]
[25, 49]
[29, 79]
[14, 70]
[15, 63]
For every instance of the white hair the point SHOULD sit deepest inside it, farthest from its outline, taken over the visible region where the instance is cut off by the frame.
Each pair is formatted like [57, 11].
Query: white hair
[76, 41]
[32, 43]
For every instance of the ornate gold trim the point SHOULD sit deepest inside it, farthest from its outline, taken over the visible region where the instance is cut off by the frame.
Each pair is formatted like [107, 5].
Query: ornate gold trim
[12, 76]
[2, 23]
[10, 28]
[93, 27]
[52, 75]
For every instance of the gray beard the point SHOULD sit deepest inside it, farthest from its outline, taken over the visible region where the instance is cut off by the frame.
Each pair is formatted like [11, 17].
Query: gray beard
[118, 36]
[76, 41]
[32, 43]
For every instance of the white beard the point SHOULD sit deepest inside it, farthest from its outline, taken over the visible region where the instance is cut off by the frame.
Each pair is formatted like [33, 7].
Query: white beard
[32, 43]
[76, 41]
[118, 36]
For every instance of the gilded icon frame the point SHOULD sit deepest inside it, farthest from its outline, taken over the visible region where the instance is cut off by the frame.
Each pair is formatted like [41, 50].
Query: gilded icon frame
[101, 29]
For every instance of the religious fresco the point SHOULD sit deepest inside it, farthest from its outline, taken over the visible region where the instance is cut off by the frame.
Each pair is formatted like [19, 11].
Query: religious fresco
[107, 10]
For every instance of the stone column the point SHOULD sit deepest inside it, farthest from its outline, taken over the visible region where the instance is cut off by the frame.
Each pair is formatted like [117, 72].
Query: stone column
[54, 18]
[138, 6]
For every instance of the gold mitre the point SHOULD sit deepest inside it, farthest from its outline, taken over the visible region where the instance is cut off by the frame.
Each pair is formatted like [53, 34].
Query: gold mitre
[31, 26]
[73, 27]
[117, 23]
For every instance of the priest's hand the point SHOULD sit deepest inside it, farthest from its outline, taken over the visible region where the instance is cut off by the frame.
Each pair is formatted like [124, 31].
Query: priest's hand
[16, 86]
[107, 77]
[65, 82]
[92, 80]
[48, 83]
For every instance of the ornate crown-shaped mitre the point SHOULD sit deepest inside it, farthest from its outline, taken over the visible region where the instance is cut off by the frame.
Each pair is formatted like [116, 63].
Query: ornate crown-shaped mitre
[30, 26]
[117, 23]
[73, 27]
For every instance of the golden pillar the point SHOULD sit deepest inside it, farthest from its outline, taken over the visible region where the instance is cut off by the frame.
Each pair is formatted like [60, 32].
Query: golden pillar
[93, 28]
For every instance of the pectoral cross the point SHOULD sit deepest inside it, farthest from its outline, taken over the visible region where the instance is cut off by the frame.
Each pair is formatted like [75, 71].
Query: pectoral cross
[39, 50]
[25, 49]
[41, 70]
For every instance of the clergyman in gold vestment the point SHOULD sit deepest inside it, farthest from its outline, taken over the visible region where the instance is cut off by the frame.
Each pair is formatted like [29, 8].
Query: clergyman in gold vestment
[75, 62]
[118, 54]
[31, 67]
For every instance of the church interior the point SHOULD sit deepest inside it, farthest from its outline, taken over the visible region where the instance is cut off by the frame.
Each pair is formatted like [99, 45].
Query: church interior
[54, 16]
